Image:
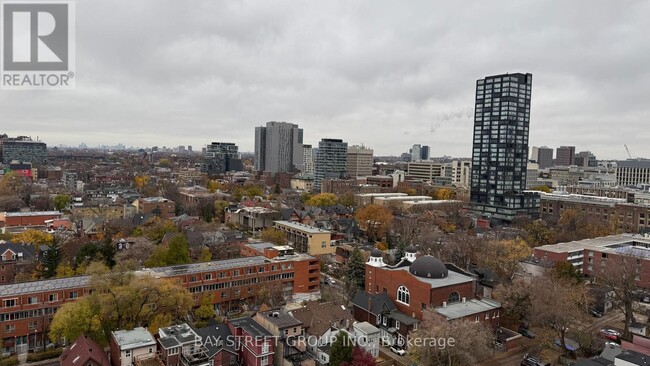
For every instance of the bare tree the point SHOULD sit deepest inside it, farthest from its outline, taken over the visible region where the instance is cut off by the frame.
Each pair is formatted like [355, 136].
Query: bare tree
[621, 274]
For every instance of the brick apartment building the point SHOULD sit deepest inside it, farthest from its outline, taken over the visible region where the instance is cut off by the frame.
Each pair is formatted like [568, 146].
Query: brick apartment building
[155, 205]
[591, 255]
[631, 217]
[20, 221]
[26, 309]
[256, 344]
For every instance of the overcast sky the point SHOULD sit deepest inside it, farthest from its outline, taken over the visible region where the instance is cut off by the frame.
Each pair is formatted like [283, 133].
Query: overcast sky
[386, 74]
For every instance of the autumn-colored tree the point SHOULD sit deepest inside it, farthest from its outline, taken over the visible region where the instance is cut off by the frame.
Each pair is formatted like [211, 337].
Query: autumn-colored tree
[545, 189]
[347, 199]
[206, 255]
[322, 199]
[126, 301]
[374, 220]
[444, 194]
[141, 181]
[156, 228]
[577, 225]
[64, 270]
[566, 271]
[77, 318]
[273, 235]
[10, 203]
[361, 357]
[33, 237]
[539, 233]
[219, 210]
[205, 311]
[457, 342]
[515, 298]
[504, 256]
[12, 184]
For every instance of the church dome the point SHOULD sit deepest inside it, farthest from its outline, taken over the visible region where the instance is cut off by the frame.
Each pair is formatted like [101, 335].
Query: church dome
[411, 249]
[428, 267]
[376, 253]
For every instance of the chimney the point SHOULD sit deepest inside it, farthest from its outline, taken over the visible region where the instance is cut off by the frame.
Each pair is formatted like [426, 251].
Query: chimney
[464, 300]
[444, 304]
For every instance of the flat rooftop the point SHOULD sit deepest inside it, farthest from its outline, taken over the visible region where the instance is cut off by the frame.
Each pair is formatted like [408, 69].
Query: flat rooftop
[467, 308]
[45, 285]
[602, 243]
[381, 194]
[36, 213]
[205, 266]
[136, 338]
[301, 227]
[405, 198]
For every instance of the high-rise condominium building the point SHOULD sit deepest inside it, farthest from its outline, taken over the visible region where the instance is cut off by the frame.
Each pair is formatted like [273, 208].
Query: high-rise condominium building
[278, 147]
[500, 148]
[425, 152]
[331, 161]
[22, 149]
[360, 161]
[416, 152]
[545, 157]
[565, 155]
[221, 157]
[307, 159]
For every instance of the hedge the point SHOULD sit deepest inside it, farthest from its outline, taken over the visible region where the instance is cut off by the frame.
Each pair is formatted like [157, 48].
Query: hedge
[46, 355]
[9, 361]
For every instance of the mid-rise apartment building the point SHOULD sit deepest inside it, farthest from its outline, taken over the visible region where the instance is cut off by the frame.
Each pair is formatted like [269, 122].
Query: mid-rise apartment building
[359, 161]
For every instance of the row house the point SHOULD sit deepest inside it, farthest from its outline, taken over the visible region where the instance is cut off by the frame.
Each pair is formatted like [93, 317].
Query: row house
[255, 344]
[26, 309]
[183, 345]
[16, 259]
[133, 347]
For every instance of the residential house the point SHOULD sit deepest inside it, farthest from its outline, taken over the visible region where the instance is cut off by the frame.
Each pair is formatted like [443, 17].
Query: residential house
[288, 333]
[255, 344]
[379, 309]
[16, 259]
[367, 336]
[132, 347]
[322, 322]
[84, 352]
[183, 345]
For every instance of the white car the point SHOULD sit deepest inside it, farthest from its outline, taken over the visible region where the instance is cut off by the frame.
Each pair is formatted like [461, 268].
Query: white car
[397, 350]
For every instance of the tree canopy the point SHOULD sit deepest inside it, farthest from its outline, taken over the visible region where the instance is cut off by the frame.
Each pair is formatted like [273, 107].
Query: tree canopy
[374, 220]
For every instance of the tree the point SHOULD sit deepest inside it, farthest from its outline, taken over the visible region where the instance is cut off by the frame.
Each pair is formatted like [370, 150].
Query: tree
[179, 251]
[566, 271]
[341, 349]
[539, 233]
[621, 275]
[52, 258]
[545, 189]
[126, 301]
[504, 256]
[205, 310]
[444, 194]
[11, 203]
[361, 357]
[206, 255]
[219, 210]
[141, 181]
[557, 305]
[374, 220]
[33, 237]
[322, 199]
[74, 319]
[64, 270]
[457, 342]
[62, 201]
[214, 185]
[515, 300]
[357, 272]
[273, 235]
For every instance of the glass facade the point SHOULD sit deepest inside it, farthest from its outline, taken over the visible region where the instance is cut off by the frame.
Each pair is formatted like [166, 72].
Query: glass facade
[500, 147]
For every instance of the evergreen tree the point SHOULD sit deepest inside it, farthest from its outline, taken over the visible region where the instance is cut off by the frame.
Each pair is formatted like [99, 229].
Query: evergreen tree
[342, 349]
[400, 251]
[357, 272]
[52, 258]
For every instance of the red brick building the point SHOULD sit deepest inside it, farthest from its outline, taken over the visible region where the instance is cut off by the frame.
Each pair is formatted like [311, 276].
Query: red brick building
[26, 309]
[255, 344]
[422, 283]
[16, 259]
[84, 351]
[158, 206]
[28, 219]
[590, 256]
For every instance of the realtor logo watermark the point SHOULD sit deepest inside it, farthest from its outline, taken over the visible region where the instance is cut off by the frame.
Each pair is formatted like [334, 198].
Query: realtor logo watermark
[38, 45]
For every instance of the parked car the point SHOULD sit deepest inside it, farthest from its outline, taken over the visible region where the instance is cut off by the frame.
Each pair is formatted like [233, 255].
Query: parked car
[526, 332]
[595, 313]
[646, 299]
[609, 334]
[397, 350]
[533, 361]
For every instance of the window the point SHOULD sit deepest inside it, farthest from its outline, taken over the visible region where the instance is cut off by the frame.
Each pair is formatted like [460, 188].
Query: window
[487, 316]
[33, 325]
[454, 297]
[265, 360]
[150, 350]
[10, 328]
[397, 324]
[74, 294]
[476, 319]
[10, 303]
[128, 353]
[52, 297]
[424, 306]
[235, 273]
[265, 347]
[403, 295]
[323, 245]
[193, 279]
[208, 276]
[32, 300]
[378, 319]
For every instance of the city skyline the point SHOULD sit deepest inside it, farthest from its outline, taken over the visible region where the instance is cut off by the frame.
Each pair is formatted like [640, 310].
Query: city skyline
[401, 76]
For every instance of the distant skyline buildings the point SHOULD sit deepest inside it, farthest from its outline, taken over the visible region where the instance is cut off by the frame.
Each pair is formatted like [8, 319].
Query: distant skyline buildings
[331, 160]
[278, 147]
[221, 157]
[359, 161]
[564, 155]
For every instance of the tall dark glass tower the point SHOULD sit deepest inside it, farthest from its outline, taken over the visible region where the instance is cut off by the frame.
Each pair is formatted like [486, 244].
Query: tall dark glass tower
[500, 148]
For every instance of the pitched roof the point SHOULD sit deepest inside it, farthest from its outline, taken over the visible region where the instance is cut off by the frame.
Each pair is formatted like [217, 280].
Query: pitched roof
[378, 303]
[81, 351]
[28, 251]
[318, 318]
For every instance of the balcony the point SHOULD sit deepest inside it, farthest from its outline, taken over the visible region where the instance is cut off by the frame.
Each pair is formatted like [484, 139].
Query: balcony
[196, 357]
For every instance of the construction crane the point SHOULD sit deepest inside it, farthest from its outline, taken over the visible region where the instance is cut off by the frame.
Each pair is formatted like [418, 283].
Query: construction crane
[628, 152]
